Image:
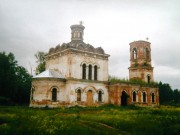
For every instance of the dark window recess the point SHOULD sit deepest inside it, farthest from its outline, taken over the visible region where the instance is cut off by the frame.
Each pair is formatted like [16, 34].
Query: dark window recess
[100, 96]
[148, 79]
[134, 96]
[90, 72]
[95, 72]
[144, 97]
[84, 71]
[79, 95]
[54, 94]
[153, 97]
[147, 54]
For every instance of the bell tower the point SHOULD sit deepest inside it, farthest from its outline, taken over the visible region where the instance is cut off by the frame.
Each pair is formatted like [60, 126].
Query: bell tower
[140, 61]
[77, 32]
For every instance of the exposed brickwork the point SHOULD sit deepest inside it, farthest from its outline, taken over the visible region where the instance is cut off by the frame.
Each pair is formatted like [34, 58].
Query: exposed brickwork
[115, 93]
[140, 61]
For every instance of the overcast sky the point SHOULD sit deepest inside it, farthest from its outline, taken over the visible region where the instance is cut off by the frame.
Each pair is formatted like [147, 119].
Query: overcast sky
[28, 26]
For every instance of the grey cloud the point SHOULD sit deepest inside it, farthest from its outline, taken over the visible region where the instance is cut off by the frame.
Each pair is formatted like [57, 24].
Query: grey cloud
[30, 26]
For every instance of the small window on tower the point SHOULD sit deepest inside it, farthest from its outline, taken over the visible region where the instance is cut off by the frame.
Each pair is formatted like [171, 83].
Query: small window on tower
[134, 53]
[147, 54]
[78, 34]
[148, 79]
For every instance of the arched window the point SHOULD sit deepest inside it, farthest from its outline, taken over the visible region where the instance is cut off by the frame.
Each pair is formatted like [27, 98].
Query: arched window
[80, 35]
[95, 72]
[84, 71]
[134, 96]
[78, 95]
[134, 53]
[32, 93]
[90, 72]
[148, 79]
[144, 97]
[76, 34]
[54, 94]
[147, 54]
[152, 97]
[100, 96]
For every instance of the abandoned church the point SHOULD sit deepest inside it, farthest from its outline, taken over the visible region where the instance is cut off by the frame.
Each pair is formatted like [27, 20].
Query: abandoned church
[77, 74]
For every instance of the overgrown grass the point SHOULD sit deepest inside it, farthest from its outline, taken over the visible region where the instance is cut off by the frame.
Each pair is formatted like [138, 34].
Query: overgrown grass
[115, 80]
[91, 120]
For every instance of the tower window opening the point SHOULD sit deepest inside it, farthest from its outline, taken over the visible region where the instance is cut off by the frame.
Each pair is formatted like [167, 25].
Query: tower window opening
[84, 71]
[80, 34]
[90, 72]
[134, 96]
[76, 34]
[95, 72]
[134, 53]
[54, 94]
[147, 54]
[148, 79]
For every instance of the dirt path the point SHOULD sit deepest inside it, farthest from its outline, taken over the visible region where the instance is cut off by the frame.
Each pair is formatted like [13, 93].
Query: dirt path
[94, 124]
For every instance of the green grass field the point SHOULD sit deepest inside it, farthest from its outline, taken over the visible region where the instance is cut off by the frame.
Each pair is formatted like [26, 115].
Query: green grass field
[110, 120]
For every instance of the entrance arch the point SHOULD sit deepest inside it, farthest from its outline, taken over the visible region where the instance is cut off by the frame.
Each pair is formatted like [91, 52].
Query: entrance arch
[124, 99]
[89, 97]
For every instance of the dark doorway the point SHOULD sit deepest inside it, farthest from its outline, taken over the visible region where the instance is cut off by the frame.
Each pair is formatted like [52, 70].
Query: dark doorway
[124, 98]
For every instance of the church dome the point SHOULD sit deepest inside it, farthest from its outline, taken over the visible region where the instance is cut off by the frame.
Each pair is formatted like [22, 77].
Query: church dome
[77, 32]
[51, 50]
[99, 50]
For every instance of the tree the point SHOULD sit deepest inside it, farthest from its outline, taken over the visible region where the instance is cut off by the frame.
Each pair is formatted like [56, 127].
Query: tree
[167, 95]
[15, 81]
[176, 96]
[40, 56]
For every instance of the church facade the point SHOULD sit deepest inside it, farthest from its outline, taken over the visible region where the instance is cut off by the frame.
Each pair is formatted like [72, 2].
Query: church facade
[77, 74]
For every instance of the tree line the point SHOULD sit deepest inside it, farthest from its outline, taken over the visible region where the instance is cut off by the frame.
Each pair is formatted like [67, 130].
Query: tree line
[167, 95]
[15, 82]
